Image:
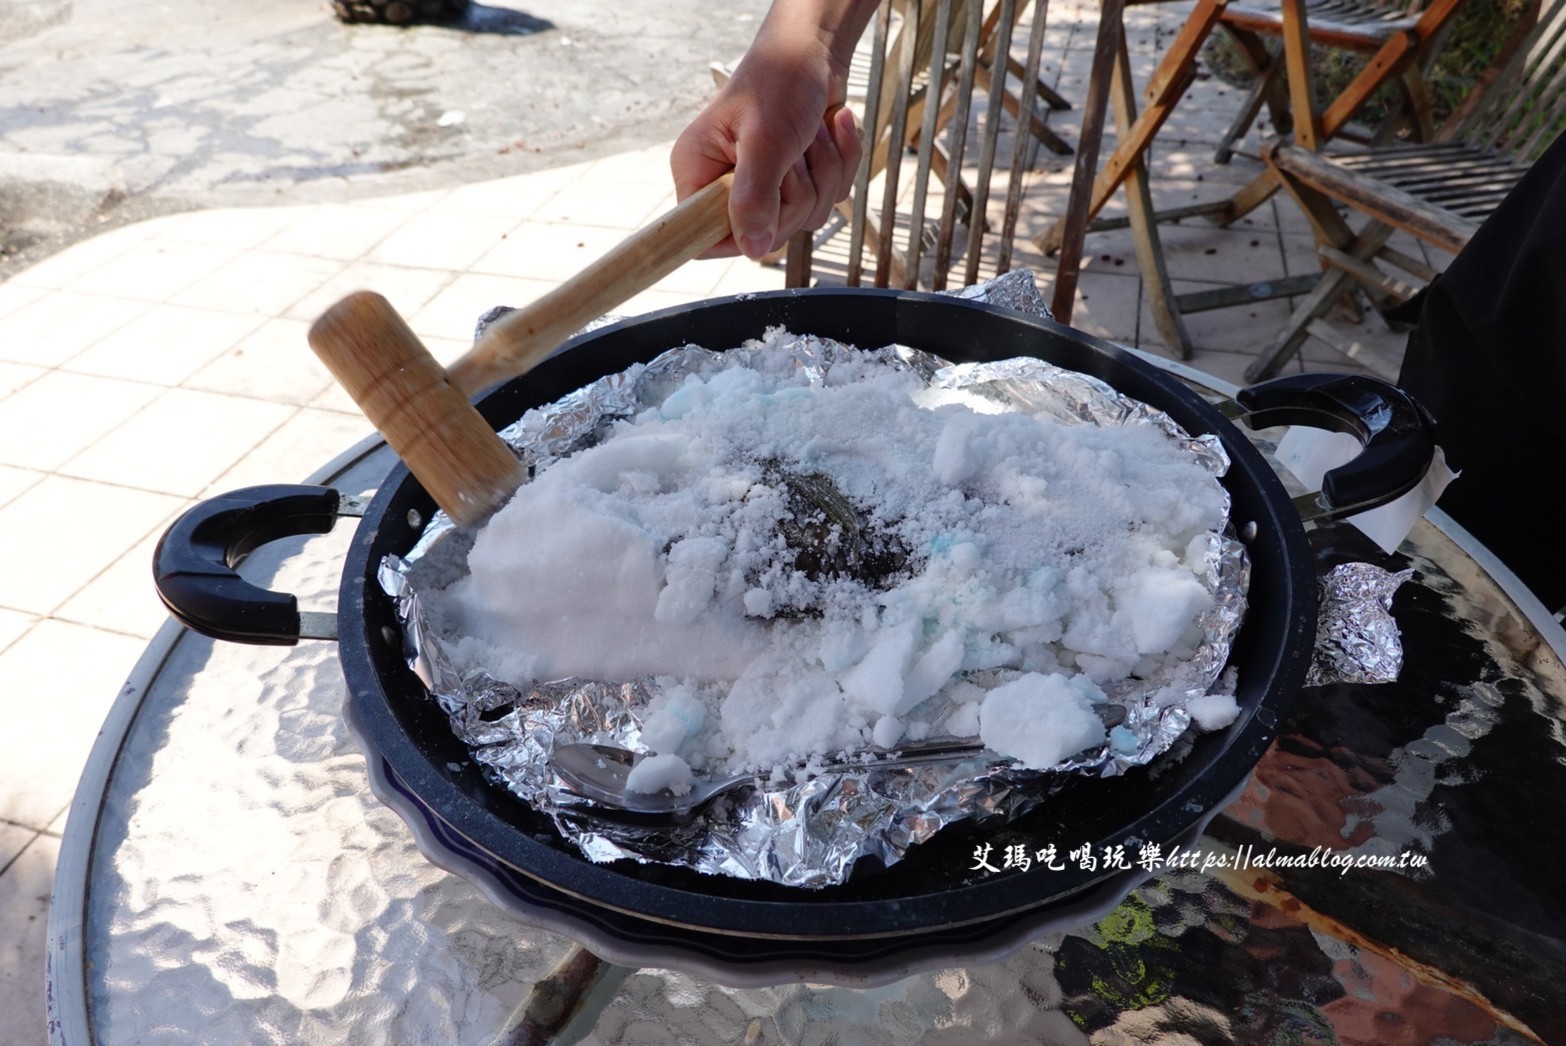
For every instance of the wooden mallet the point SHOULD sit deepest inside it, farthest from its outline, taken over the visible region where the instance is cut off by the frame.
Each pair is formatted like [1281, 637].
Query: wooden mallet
[423, 410]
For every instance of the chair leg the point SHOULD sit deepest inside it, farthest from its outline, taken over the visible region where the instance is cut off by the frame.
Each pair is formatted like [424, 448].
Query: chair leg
[1412, 111]
[1267, 90]
[1088, 193]
[1246, 116]
[1288, 342]
[1337, 280]
[1144, 222]
[796, 270]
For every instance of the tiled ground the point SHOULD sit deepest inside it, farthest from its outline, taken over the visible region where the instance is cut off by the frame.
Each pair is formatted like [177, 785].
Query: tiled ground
[165, 361]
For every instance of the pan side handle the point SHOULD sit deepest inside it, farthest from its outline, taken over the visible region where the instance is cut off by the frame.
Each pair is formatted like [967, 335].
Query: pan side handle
[194, 565]
[1396, 433]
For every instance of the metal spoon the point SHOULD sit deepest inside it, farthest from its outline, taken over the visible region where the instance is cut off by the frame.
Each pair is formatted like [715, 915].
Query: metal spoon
[598, 772]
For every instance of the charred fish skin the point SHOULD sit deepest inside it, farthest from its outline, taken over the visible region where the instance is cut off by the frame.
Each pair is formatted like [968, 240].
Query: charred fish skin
[823, 527]
[829, 536]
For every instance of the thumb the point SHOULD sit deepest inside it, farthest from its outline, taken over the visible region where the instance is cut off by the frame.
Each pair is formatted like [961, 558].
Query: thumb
[756, 198]
[849, 139]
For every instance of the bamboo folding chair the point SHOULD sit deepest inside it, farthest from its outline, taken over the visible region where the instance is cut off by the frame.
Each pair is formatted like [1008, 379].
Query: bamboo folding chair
[917, 76]
[1126, 165]
[1438, 192]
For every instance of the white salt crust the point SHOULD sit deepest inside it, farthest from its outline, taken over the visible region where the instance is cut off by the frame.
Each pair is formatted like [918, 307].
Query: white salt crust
[1065, 556]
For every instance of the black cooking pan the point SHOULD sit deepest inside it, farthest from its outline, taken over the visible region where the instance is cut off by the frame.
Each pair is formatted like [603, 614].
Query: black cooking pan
[940, 896]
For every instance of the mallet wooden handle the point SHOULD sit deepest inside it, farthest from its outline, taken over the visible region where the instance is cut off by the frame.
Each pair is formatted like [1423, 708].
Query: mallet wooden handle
[518, 341]
[423, 411]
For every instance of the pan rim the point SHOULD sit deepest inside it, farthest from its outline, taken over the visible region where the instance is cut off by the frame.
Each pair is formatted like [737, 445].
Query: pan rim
[812, 914]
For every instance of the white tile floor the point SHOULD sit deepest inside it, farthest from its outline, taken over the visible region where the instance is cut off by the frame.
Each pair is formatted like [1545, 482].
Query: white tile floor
[165, 361]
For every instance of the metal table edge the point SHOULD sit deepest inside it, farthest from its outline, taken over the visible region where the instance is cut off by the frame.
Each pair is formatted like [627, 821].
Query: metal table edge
[65, 955]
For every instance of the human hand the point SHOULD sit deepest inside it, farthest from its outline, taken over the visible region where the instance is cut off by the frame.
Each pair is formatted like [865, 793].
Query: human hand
[780, 125]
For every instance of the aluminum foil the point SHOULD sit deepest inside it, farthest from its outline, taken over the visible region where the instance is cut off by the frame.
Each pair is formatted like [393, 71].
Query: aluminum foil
[1017, 290]
[1357, 639]
[811, 830]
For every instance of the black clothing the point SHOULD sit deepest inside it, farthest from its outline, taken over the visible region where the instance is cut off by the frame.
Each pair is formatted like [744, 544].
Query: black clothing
[1488, 358]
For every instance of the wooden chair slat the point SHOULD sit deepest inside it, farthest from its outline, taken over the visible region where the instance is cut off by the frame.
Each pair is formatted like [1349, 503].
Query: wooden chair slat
[889, 268]
[1393, 157]
[1468, 199]
[1477, 208]
[1361, 26]
[945, 237]
[1020, 145]
[942, 15]
[913, 82]
[1538, 128]
[1530, 82]
[987, 147]
[859, 208]
[1475, 170]
[1416, 171]
[1435, 182]
[1502, 168]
